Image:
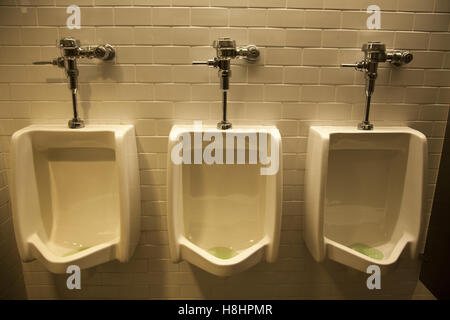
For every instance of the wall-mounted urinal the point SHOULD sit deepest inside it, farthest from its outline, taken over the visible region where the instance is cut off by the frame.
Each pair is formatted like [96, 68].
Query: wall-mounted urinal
[224, 218]
[75, 194]
[364, 194]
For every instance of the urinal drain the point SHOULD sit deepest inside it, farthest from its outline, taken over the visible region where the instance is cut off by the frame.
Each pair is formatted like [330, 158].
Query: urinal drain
[367, 250]
[222, 252]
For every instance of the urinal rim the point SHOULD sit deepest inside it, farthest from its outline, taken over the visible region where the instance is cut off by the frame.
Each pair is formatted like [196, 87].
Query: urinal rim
[239, 258]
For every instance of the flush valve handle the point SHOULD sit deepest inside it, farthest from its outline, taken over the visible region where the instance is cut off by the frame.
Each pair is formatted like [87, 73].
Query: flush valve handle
[55, 62]
[359, 66]
[210, 63]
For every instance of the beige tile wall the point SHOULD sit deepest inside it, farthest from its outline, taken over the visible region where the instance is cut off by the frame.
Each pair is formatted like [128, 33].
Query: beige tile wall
[296, 83]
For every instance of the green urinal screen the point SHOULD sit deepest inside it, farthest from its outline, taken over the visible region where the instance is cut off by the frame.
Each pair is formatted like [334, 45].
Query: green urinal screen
[222, 252]
[367, 250]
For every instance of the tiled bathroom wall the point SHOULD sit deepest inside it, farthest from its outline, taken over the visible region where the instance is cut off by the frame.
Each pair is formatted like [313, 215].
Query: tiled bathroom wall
[152, 84]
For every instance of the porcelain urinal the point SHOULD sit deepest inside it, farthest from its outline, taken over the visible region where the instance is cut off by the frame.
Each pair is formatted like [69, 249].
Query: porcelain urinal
[364, 194]
[224, 196]
[75, 194]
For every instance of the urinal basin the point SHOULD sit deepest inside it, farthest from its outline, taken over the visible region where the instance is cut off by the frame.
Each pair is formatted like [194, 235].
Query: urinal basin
[224, 218]
[75, 194]
[364, 194]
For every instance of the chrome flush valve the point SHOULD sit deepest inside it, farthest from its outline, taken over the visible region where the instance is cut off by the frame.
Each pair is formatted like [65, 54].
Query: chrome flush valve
[71, 50]
[374, 53]
[225, 51]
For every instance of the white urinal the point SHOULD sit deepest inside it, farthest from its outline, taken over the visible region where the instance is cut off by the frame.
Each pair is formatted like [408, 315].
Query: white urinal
[75, 194]
[364, 194]
[224, 218]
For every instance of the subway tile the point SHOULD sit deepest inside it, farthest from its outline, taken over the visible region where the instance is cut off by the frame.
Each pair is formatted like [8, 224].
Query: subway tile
[19, 55]
[286, 18]
[39, 36]
[301, 75]
[248, 17]
[190, 36]
[305, 4]
[444, 95]
[281, 92]
[434, 112]
[340, 5]
[10, 36]
[14, 16]
[405, 77]
[402, 112]
[210, 92]
[191, 110]
[209, 17]
[267, 3]
[263, 111]
[440, 41]
[190, 74]
[135, 54]
[283, 56]
[415, 5]
[303, 38]
[431, 22]
[115, 35]
[132, 16]
[322, 19]
[427, 59]
[229, 3]
[442, 6]
[191, 3]
[336, 75]
[354, 20]
[13, 74]
[172, 92]
[397, 21]
[339, 39]
[146, 73]
[390, 94]
[421, 95]
[267, 37]
[154, 110]
[350, 94]
[267, 74]
[437, 78]
[153, 35]
[171, 55]
[319, 57]
[250, 92]
[113, 2]
[299, 111]
[317, 93]
[155, 3]
[410, 40]
[170, 16]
